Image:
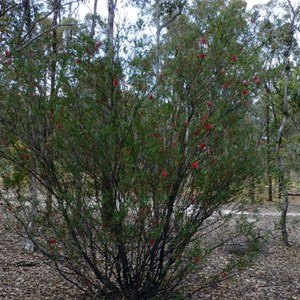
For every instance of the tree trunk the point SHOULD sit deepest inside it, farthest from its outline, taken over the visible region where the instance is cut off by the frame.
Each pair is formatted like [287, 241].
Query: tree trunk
[157, 46]
[94, 18]
[269, 160]
[111, 22]
[282, 185]
[29, 246]
[53, 92]
[281, 166]
[280, 162]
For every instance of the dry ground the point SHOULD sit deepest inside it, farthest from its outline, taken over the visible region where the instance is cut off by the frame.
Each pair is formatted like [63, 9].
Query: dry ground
[275, 273]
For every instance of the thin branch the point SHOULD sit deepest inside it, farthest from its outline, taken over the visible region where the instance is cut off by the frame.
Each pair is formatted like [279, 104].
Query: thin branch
[39, 35]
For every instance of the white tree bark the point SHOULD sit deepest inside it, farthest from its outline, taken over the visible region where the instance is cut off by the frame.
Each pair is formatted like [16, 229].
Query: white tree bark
[111, 4]
[285, 105]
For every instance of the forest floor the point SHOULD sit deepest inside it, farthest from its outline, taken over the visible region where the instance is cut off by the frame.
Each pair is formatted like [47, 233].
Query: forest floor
[274, 274]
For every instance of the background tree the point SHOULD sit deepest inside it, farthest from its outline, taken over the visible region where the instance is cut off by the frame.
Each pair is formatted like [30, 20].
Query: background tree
[278, 47]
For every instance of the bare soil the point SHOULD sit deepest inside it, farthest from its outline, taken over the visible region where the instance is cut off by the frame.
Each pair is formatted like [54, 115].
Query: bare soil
[275, 273]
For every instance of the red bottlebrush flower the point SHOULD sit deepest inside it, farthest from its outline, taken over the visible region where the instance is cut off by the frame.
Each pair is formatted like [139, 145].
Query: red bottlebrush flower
[256, 79]
[203, 40]
[245, 83]
[209, 104]
[8, 61]
[222, 71]
[180, 46]
[206, 117]
[201, 55]
[196, 259]
[155, 222]
[245, 92]
[195, 165]
[161, 76]
[59, 126]
[196, 132]
[233, 58]
[164, 173]
[98, 44]
[226, 85]
[142, 113]
[52, 243]
[77, 61]
[162, 139]
[151, 242]
[173, 144]
[225, 274]
[202, 146]
[150, 97]
[116, 82]
[8, 53]
[208, 126]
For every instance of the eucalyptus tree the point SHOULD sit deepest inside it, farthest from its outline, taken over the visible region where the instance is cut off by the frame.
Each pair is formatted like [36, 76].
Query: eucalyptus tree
[279, 48]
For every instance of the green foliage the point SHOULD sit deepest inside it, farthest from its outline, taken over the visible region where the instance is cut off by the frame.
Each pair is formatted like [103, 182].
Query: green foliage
[135, 169]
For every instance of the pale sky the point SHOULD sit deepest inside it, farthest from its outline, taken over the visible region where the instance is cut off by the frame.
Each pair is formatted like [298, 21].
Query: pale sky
[131, 13]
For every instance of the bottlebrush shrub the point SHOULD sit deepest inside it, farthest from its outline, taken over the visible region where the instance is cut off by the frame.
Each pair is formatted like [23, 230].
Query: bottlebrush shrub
[131, 187]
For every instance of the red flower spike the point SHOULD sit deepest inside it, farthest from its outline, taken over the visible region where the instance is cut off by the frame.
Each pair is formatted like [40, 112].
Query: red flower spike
[77, 61]
[164, 173]
[222, 71]
[225, 274]
[203, 40]
[155, 222]
[226, 85]
[116, 82]
[256, 79]
[173, 144]
[98, 44]
[201, 55]
[196, 132]
[206, 116]
[245, 92]
[59, 126]
[209, 104]
[196, 259]
[202, 146]
[195, 165]
[233, 58]
[52, 243]
[151, 242]
[150, 97]
[9, 208]
[208, 126]
[245, 83]
[161, 76]
[8, 61]
[8, 53]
